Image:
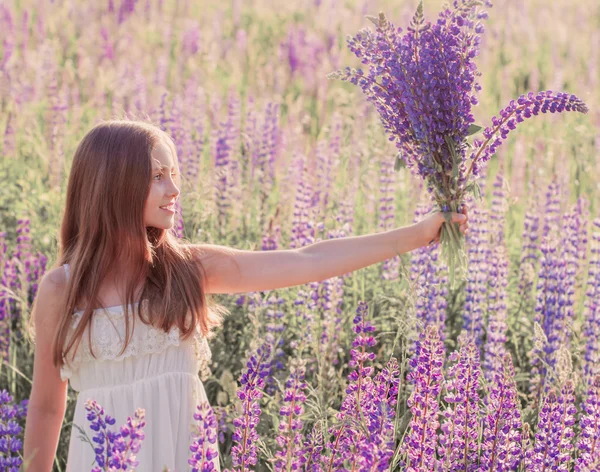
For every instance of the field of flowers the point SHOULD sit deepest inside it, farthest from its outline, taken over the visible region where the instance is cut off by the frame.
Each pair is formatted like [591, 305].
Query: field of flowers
[386, 368]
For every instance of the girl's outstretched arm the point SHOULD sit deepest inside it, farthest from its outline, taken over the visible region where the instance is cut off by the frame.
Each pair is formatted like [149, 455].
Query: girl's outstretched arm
[47, 402]
[235, 271]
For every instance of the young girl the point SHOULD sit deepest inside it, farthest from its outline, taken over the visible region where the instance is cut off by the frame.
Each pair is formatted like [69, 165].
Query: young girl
[124, 314]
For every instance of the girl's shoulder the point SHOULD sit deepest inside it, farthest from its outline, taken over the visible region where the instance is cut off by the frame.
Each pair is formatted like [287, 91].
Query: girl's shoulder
[49, 298]
[57, 277]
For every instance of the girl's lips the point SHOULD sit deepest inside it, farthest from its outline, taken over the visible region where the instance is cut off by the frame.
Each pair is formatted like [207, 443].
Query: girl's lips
[169, 209]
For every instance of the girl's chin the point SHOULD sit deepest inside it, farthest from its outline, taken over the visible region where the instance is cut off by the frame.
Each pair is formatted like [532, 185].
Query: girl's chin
[160, 226]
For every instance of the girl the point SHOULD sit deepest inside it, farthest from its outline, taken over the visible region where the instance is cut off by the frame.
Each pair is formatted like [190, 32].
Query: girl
[124, 316]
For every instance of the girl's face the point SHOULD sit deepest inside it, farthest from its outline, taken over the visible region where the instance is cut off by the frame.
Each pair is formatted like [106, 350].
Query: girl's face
[163, 189]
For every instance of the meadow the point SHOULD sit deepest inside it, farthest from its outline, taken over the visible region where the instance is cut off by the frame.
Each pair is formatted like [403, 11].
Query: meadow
[385, 368]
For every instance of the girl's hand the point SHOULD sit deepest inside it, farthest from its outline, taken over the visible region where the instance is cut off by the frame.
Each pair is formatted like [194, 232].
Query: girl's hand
[431, 226]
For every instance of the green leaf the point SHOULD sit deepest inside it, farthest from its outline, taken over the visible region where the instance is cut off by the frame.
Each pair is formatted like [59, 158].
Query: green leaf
[399, 164]
[473, 129]
[451, 148]
[475, 189]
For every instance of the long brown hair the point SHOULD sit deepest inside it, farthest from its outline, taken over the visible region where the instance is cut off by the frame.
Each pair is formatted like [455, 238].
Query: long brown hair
[104, 218]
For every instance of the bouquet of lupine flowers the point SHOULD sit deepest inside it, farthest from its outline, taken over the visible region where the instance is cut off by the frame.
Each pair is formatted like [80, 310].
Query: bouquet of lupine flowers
[423, 84]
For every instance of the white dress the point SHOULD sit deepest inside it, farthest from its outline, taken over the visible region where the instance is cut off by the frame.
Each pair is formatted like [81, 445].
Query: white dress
[158, 372]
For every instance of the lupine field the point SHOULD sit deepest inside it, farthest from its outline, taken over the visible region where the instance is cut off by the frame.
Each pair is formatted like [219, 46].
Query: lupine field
[386, 368]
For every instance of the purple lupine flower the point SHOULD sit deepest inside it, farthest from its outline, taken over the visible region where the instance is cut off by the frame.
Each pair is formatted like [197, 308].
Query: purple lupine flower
[11, 441]
[580, 222]
[221, 414]
[554, 437]
[204, 445]
[547, 314]
[290, 437]
[458, 441]
[494, 346]
[244, 452]
[424, 97]
[234, 180]
[478, 250]
[536, 456]
[426, 88]
[129, 442]
[313, 449]
[303, 52]
[263, 162]
[107, 45]
[378, 450]
[192, 167]
[368, 402]
[554, 309]
[591, 327]
[274, 328]
[516, 112]
[426, 376]
[429, 279]
[163, 119]
[190, 39]
[372, 444]
[222, 151]
[498, 211]
[526, 446]
[552, 208]
[345, 432]
[501, 441]
[114, 450]
[588, 443]
[529, 254]
[126, 9]
[302, 230]
[570, 254]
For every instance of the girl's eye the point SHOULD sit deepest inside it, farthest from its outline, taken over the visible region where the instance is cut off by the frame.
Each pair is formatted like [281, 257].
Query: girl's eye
[160, 175]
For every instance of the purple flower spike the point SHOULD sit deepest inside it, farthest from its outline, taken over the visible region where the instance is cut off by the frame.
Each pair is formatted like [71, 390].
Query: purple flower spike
[588, 444]
[423, 82]
[501, 442]
[357, 402]
[121, 446]
[554, 437]
[204, 445]
[129, 442]
[458, 441]
[10, 431]
[517, 111]
[290, 436]
[426, 376]
[591, 327]
[244, 452]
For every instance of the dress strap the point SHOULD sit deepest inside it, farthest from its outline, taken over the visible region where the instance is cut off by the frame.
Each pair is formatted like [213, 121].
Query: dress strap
[66, 266]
